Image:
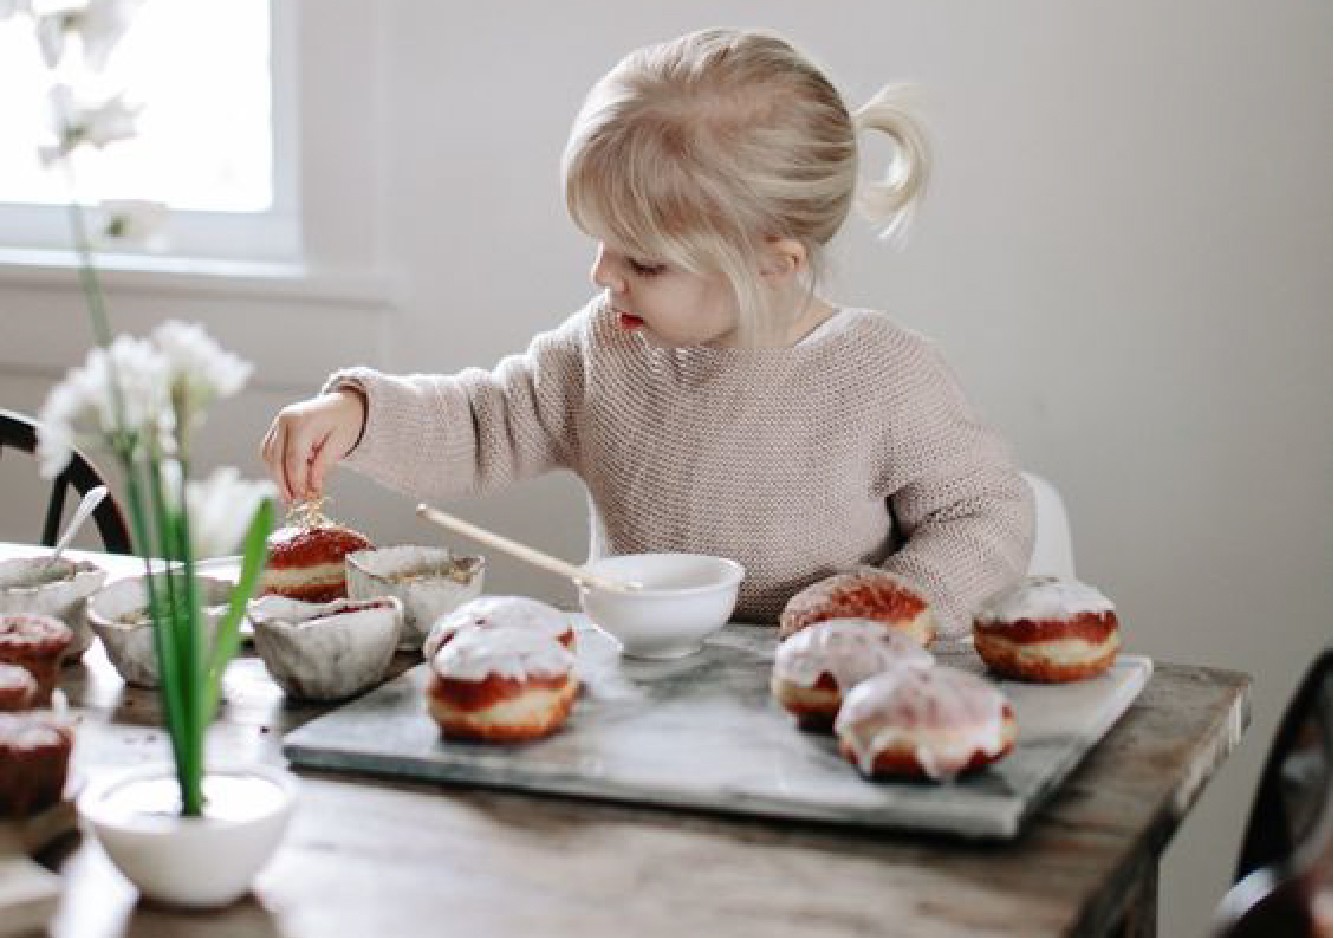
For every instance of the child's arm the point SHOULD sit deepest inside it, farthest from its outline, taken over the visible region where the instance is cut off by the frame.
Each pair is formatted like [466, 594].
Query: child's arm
[435, 436]
[964, 514]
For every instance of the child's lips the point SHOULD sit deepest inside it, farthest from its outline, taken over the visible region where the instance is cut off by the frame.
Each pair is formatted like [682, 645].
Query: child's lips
[630, 320]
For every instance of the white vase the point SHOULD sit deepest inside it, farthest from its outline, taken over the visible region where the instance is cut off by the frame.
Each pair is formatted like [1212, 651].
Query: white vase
[192, 862]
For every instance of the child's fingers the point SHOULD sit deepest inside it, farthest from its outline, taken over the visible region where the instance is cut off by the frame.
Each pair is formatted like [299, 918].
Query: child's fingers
[319, 465]
[271, 450]
[295, 456]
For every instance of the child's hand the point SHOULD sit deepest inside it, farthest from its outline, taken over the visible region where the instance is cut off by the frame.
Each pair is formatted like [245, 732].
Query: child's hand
[308, 437]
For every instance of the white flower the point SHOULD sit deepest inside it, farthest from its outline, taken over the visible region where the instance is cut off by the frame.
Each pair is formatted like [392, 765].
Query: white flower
[134, 222]
[221, 509]
[178, 366]
[84, 401]
[9, 7]
[200, 370]
[55, 434]
[101, 27]
[51, 30]
[143, 374]
[77, 124]
[99, 24]
[106, 123]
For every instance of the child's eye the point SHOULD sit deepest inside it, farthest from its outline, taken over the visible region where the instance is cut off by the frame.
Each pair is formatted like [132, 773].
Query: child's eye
[645, 269]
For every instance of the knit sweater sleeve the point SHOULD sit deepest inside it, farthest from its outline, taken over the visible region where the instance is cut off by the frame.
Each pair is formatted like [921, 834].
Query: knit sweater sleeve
[439, 436]
[964, 513]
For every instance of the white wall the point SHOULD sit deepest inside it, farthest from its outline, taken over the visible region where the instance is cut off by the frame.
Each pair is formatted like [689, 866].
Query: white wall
[1125, 252]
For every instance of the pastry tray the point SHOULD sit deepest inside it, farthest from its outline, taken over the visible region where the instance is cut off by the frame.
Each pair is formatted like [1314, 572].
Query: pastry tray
[704, 733]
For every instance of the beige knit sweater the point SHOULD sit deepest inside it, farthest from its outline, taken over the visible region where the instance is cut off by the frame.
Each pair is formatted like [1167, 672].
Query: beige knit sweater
[854, 446]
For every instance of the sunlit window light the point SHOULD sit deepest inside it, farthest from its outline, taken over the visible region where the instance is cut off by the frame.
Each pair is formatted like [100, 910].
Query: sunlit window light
[201, 70]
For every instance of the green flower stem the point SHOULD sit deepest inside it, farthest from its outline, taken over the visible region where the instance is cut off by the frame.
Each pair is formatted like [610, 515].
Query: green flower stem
[172, 605]
[193, 653]
[176, 673]
[161, 639]
[189, 669]
[227, 638]
[88, 279]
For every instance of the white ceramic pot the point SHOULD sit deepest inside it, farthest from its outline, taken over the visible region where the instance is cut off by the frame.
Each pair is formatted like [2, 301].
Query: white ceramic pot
[32, 585]
[119, 615]
[326, 651]
[685, 598]
[192, 862]
[430, 582]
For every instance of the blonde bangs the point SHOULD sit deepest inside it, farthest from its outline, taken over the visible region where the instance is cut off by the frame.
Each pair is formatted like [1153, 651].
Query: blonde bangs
[637, 188]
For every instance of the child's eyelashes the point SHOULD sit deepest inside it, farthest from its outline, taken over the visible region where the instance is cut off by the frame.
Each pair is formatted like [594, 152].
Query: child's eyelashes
[644, 268]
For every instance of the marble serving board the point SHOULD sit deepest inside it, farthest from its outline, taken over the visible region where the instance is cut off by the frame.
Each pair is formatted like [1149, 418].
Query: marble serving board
[704, 733]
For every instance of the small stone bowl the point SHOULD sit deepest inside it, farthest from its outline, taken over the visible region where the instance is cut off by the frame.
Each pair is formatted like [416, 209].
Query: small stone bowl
[685, 598]
[61, 590]
[430, 582]
[118, 613]
[326, 651]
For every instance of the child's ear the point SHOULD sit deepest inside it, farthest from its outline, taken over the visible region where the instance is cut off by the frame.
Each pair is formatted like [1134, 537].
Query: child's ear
[783, 257]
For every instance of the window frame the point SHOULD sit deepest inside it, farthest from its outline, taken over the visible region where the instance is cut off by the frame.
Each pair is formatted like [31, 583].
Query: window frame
[274, 235]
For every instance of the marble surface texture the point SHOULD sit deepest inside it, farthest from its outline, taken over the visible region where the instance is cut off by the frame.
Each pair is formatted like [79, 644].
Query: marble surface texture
[703, 733]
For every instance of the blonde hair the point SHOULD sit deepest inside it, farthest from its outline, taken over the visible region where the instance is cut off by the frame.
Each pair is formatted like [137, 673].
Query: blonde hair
[696, 151]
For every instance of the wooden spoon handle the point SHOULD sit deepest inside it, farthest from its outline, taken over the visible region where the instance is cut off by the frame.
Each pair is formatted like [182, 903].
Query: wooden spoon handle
[524, 552]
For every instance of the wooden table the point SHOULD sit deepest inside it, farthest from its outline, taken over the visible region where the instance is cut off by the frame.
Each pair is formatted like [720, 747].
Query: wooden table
[367, 857]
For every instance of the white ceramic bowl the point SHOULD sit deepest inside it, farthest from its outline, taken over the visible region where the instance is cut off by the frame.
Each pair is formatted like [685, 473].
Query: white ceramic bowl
[118, 613]
[685, 599]
[192, 862]
[31, 585]
[430, 582]
[326, 651]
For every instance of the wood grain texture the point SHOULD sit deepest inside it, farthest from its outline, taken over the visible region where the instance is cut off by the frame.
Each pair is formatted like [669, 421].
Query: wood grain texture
[367, 857]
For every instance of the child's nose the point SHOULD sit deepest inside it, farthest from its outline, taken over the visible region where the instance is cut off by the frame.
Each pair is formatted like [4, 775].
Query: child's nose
[604, 274]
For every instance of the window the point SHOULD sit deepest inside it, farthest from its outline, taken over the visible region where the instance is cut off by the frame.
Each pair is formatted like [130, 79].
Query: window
[213, 140]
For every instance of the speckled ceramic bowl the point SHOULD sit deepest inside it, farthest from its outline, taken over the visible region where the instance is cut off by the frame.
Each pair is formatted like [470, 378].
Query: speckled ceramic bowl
[34, 585]
[118, 614]
[430, 582]
[326, 651]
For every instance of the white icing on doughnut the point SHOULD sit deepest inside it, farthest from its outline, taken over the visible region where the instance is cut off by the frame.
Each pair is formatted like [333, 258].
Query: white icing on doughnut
[491, 612]
[33, 728]
[1040, 597]
[475, 653]
[942, 714]
[849, 650]
[13, 675]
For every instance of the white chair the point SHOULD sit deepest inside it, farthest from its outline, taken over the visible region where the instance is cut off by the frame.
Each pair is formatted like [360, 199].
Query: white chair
[1053, 548]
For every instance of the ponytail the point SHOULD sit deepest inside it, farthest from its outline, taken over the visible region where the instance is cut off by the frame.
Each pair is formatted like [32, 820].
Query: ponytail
[889, 203]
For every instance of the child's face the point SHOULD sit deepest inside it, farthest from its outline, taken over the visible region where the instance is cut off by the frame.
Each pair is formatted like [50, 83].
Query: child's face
[673, 307]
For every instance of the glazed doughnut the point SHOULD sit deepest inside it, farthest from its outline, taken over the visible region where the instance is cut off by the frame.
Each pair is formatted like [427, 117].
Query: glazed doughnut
[36, 643]
[931, 723]
[306, 563]
[501, 685]
[34, 760]
[495, 612]
[816, 667]
[868, 593]
[1048, 630]
[18, 688]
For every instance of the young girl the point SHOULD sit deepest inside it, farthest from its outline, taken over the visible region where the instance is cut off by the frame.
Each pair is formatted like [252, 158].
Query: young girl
[710, 399]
